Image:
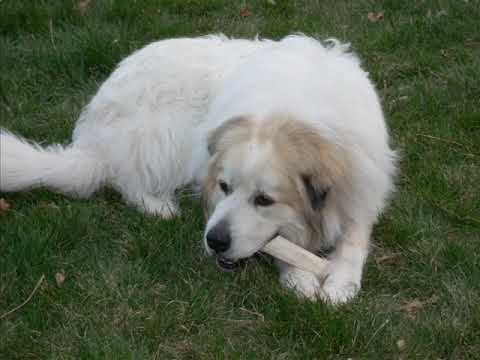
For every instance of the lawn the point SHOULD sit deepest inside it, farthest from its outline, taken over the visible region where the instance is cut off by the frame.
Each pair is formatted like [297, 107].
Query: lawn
[121, 285]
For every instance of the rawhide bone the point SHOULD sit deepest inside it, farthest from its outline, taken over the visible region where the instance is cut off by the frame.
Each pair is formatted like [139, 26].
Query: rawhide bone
[282, 249]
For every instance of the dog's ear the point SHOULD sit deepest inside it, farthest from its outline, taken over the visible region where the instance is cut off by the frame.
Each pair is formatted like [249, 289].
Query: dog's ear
[305, 151]
[318, 163]
[316, 193]
[232, 131]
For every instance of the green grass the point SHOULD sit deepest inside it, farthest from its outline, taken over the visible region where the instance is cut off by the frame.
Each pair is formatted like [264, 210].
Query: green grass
[138, 288]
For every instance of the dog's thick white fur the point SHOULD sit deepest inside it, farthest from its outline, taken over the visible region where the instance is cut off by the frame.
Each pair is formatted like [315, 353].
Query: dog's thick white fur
[285, 137]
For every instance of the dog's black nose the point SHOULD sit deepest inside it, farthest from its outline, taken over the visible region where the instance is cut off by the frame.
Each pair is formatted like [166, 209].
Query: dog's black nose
[218, 238]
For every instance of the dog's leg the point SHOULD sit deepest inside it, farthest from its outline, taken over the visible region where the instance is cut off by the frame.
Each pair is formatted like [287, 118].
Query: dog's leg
[146, 190]
[303, 283]
[343, 275]
[344, 272]
[164, 206]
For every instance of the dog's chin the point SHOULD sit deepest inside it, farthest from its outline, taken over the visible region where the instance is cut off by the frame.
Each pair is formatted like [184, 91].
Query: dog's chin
[230, 262]
[227, 264]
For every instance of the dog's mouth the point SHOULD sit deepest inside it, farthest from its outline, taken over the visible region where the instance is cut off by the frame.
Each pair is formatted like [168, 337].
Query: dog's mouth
[230, 265]
[227, 264]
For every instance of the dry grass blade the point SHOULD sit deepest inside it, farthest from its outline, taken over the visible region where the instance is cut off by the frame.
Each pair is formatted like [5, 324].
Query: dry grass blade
[39, 282]
[387, 258]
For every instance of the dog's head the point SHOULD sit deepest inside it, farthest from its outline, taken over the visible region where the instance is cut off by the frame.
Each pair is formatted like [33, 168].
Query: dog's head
[266, 178]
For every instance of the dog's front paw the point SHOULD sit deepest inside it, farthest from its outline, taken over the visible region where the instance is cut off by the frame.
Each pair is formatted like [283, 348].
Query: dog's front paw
[303, 283]
[341, 284]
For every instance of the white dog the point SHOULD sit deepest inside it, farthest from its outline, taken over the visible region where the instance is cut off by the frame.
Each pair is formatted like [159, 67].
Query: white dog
[285, 138]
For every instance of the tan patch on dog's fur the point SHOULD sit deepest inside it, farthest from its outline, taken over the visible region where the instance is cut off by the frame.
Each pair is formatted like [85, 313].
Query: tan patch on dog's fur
[303, 150]
[209, 185]
[234, 131]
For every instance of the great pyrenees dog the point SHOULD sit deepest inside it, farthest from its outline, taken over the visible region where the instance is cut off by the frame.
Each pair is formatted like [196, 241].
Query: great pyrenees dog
[283, 137]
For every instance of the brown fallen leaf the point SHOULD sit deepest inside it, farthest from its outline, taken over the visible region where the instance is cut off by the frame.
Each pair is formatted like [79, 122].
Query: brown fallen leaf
[245, 12]
[60, 278]
[83, 5]
[414, 306]
[374, 17]
[4, 206]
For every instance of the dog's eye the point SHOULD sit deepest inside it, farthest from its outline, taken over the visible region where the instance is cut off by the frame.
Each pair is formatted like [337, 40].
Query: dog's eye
[263, 200]
[224, 187]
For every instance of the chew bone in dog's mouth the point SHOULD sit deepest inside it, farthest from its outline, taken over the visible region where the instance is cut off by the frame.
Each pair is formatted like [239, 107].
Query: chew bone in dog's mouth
[231, 265]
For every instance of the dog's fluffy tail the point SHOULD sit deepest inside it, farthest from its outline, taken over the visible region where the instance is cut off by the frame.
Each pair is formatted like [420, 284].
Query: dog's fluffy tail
[25, 165]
